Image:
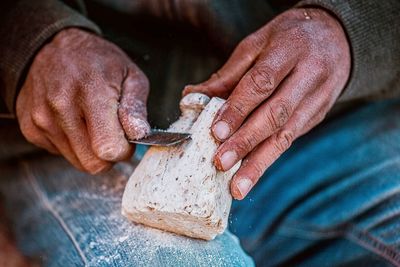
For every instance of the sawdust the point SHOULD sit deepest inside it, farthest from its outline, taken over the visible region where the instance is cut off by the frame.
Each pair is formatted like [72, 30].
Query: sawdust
[126, 242]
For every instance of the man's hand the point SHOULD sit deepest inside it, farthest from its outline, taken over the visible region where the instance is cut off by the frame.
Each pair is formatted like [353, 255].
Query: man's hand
[81, 96]
[281, 82]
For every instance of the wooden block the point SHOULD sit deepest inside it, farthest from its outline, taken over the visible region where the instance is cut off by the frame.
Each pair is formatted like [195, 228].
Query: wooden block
[178, 189]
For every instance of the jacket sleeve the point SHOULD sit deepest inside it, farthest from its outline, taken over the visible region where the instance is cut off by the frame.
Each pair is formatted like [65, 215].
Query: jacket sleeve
[26, 25]
[373, 30]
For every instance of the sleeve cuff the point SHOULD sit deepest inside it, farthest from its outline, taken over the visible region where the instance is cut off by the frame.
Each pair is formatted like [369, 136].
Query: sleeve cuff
[28, 26]
[371, 27]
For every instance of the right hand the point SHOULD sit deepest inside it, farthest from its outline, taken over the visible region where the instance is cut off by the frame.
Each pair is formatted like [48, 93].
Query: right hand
[82, 95]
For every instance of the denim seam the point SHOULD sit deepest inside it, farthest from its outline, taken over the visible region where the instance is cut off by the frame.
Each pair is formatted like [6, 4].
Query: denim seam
[47, 204]
[349, 232]
[388, 216]
[366, 240]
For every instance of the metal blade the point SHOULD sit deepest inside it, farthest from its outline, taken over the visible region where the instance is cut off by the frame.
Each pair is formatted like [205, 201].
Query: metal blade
[162, 138]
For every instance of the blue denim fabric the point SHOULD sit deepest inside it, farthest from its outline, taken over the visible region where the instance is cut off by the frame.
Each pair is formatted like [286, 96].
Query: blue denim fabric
[333, 199]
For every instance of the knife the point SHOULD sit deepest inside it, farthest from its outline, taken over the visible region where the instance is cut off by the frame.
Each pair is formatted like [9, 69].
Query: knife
[162, 138]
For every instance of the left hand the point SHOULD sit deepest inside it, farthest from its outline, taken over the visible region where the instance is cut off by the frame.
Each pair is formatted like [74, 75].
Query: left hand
[281, 82]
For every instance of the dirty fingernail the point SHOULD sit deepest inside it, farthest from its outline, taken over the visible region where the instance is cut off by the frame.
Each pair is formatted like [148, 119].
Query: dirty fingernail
[221, 130]
[228, 159]
[244, 185]
[138, 128]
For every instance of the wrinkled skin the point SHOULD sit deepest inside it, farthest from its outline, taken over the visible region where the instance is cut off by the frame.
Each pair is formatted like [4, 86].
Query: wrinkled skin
[280, 82]
[82, 95]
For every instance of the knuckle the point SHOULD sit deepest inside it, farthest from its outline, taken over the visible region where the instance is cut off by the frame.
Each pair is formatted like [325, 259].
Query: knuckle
[246, 143]
[245, 44]
[136, 75]
[283, 141]
[59, 104]
[262, 81]
[219, 81]
[144, 81]
[258, 167]
[39, 119]
[278, 114]
[255, 40]
[238, 109]
[322, 68]
[214, 76]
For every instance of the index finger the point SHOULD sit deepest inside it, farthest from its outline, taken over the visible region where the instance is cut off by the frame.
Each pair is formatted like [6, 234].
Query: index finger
[225, 79]
[255, 87]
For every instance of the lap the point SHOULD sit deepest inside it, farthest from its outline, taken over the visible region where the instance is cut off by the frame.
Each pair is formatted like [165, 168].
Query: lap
[62, 217]
[333, 198]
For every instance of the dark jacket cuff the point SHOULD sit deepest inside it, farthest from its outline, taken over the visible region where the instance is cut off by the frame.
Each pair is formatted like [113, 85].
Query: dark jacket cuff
[25, 27]
[373, 31]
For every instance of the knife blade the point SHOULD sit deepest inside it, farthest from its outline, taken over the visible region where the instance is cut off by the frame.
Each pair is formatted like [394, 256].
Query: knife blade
[162, 138]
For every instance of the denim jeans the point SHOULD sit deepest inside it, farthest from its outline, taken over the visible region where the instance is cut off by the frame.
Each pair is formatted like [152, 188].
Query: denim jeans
[333, 199]
[63, 217]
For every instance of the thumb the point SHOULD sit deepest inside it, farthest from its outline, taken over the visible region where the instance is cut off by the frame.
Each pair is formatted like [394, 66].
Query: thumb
[225, 79]
[132, 111]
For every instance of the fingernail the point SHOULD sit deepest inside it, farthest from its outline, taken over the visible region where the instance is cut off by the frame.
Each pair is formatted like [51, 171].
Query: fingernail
[228, 159]
[221, 130]
[244, 185]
